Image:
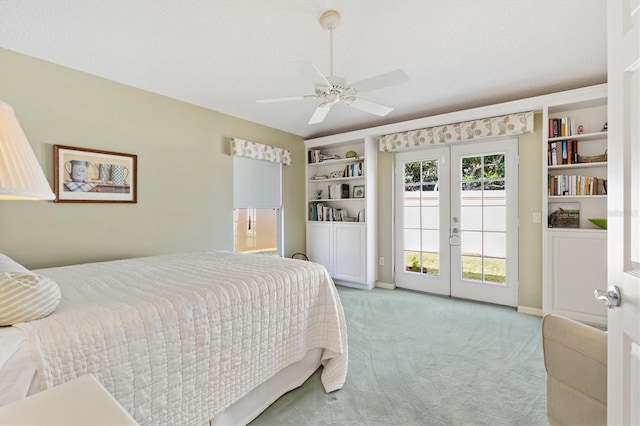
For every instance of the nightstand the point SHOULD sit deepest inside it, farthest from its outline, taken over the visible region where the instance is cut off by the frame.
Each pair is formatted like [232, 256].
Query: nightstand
[82, 401]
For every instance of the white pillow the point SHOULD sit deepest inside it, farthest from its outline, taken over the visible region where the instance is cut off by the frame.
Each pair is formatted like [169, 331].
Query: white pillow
[7, 264]
[24, 296]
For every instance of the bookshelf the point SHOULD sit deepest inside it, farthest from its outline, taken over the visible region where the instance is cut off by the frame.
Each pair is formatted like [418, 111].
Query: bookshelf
[341, 208]
[574, 146]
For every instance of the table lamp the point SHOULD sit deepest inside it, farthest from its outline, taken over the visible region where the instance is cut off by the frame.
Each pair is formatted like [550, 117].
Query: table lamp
[21, 177]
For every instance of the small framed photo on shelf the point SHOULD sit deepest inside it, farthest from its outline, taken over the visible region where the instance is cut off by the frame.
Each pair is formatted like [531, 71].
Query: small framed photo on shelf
[564, 215]
[358, 191]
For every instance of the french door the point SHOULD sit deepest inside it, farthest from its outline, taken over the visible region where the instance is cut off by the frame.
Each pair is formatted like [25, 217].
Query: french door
[457, 221]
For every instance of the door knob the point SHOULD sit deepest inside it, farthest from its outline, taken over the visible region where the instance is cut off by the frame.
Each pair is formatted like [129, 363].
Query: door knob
[611, 296]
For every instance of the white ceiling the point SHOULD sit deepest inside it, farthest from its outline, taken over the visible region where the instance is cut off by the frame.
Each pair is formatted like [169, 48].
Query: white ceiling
[224, 54]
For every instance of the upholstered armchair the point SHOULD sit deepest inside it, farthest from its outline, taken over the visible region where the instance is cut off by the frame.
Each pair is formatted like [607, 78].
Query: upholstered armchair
[575, 357]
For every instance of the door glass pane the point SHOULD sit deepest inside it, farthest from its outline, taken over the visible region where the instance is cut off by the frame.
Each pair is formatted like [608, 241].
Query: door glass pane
[495, 244]
[495, 270]
[412, 217]
[421, 213]
[471, 168]
[471, 243]
[483, 217]
[430, 240]
[412, 239]
[431, 263]
[412, 262]
[472, 217]
[472, 268]
[494, 166]
[494, 218]
[431, 217]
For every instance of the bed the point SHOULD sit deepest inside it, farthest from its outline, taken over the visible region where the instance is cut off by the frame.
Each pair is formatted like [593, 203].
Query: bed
[187, 338]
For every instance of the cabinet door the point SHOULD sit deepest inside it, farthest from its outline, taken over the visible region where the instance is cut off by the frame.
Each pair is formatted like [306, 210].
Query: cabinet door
[576, 267]
[350, 250]
[320, 244]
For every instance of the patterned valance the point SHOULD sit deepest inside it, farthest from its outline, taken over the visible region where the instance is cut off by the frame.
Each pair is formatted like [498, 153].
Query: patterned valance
[504, 125]
[260, 151]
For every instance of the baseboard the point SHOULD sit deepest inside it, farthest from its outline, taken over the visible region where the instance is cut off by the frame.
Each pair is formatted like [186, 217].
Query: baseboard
[537, 312]
[387, 286]
[361, 286]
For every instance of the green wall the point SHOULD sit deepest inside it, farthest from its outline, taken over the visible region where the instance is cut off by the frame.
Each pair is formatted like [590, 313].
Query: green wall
[185, 198]
[184, 171]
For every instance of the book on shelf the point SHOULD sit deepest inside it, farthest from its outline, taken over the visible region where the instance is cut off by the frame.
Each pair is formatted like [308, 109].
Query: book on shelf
[564, 215]
[562, 126]
[320, 212]
[345, 190]
[313, 156]
[338, 191]
[576, 185]
[562, 152]
[352, 170]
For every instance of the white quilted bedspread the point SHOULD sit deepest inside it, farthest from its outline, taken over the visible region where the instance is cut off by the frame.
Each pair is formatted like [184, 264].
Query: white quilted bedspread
[178, 338]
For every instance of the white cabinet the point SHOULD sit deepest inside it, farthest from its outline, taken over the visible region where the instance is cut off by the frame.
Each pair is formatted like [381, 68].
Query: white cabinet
[341, 210]
[575, 185]
[341, 248]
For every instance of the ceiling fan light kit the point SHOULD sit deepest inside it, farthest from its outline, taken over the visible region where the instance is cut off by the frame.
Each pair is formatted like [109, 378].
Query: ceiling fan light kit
[330, 19]
[333, 89]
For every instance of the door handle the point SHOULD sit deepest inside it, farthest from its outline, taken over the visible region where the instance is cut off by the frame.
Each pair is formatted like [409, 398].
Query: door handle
[612, 296]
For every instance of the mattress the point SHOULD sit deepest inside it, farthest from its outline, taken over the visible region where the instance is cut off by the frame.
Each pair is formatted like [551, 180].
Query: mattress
[181, 338]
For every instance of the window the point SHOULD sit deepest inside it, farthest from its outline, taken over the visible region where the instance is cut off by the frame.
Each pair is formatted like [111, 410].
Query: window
[256, 230]
[257, 201]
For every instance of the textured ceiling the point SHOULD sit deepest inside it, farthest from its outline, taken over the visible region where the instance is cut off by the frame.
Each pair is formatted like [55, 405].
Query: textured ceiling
[223, 55]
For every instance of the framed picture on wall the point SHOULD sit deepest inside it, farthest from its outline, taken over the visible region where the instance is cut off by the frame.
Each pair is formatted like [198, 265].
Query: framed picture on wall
[358, 191]
[84, 175]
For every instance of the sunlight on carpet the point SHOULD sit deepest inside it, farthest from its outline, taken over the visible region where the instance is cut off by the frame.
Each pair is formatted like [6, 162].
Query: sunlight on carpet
[417, 359]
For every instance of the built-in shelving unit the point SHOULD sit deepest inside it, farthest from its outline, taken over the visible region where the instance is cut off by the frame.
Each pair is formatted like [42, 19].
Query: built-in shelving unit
[575, 185]
[341, 209]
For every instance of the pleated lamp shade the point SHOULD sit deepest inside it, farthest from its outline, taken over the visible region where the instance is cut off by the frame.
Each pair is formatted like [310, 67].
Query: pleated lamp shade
[21, 177]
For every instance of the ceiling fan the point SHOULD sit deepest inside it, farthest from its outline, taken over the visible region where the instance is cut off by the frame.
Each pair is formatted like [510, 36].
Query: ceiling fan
[333, 89]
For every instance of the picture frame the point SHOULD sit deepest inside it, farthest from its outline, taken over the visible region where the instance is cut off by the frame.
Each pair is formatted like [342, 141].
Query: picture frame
[358, 191]
[83, 175]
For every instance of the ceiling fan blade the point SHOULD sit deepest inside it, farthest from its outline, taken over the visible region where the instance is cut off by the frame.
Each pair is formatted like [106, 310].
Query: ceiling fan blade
[390, 78]
[312, 73]
[368, 106]
[320, 113]
[286, 99]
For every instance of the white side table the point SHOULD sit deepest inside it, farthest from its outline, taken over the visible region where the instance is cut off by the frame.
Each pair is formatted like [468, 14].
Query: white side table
[82, 401]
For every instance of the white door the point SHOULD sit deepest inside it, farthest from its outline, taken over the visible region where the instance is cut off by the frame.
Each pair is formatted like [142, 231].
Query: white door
[623, 388]
[422, 221]
[484, 222]
[456, 221]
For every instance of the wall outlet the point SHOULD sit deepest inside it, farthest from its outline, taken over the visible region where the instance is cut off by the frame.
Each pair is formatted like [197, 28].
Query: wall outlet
[537, 217]
[381, 261]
